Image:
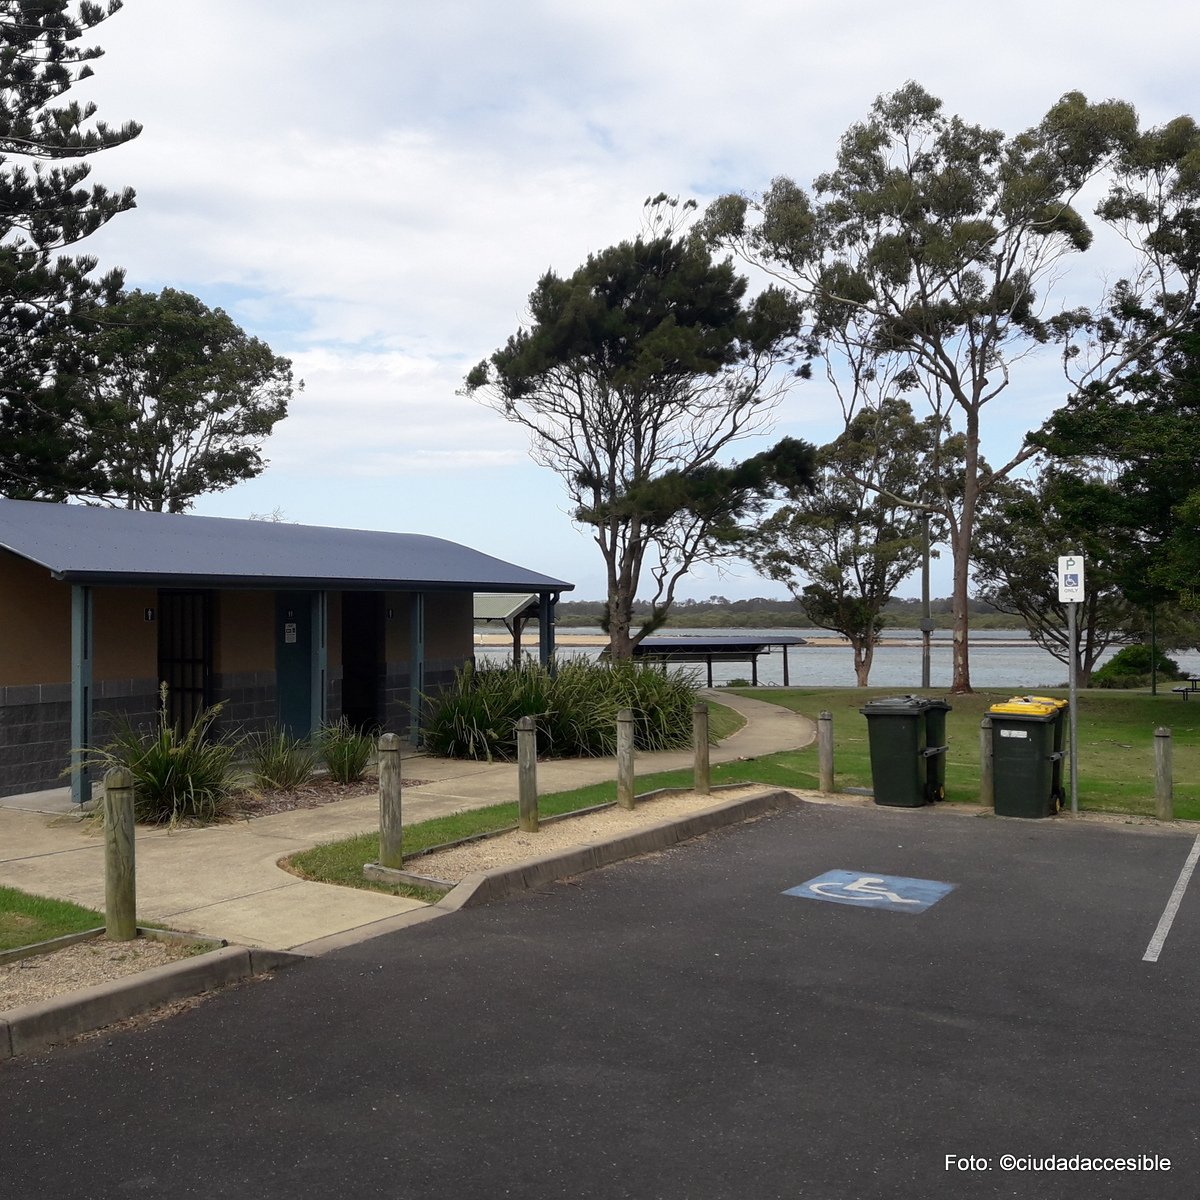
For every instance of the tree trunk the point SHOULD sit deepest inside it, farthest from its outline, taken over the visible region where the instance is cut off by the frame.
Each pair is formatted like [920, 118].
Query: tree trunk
[960, 544]
[864, 653]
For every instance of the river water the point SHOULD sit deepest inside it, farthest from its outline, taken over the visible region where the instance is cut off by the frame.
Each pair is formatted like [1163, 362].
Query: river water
[999, 658]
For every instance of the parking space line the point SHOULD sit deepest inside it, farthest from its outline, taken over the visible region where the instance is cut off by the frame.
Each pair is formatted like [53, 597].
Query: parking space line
[1164, 922]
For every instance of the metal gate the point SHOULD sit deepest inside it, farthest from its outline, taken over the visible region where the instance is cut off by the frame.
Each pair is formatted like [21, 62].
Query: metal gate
[185, 654]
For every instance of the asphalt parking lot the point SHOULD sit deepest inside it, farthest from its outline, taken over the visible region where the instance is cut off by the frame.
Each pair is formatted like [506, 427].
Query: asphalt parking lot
[688, 1025]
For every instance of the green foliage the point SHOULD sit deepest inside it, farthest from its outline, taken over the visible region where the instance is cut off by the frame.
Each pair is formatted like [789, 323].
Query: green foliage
[1133, 667]
[576, 709]
[345, 750]
[176, 776]
[44, 297]
[636, 374]
[179, 398]
[280, 762]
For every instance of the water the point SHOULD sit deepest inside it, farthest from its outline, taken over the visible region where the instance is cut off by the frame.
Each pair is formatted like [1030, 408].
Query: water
[1000, 658]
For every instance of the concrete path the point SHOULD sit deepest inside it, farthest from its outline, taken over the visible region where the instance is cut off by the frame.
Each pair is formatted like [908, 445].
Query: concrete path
[223, 881]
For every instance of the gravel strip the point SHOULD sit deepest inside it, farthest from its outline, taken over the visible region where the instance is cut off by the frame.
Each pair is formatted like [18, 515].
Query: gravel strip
[508, 848]
[31, 980]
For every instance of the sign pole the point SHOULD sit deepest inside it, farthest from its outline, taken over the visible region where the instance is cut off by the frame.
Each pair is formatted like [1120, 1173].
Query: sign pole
[1070, 593]
[1073, 711]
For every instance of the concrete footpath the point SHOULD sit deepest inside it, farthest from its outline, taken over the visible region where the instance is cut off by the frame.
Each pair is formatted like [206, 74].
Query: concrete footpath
[223, 881]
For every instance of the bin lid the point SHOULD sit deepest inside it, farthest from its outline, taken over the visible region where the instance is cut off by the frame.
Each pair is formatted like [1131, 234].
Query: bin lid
[1041, 700]
[1029, 709]
[893, 704]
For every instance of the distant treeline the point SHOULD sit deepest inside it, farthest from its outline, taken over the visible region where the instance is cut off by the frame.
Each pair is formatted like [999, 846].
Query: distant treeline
[717, 612]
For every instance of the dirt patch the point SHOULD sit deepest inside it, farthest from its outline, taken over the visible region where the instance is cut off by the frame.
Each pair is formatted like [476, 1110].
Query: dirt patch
[252, 803]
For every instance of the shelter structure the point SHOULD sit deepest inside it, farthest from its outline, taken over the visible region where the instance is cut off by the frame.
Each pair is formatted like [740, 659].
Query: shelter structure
[513, 612]
[103, 610]
[709, 649]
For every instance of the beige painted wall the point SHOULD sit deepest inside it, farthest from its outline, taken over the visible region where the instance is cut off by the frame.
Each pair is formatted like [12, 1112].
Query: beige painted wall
[244, 632]
[35, 624]
[126, 644]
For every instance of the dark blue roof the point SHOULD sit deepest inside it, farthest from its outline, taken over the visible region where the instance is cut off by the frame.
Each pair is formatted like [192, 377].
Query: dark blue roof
[116, 545]
[715, 644]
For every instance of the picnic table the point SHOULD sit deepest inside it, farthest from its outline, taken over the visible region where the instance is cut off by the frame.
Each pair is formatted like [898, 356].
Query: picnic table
[1190, 686]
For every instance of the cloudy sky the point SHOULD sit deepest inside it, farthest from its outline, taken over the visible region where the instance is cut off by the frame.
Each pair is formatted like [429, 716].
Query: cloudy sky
[374, 187]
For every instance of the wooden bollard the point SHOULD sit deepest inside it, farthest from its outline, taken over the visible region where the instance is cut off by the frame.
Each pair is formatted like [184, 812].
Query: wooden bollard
[1164, 780]
[701, 781]
[825, 751]
[527, 793]
[625, 758]
[987, 791]
[120, 876]
[391, 828]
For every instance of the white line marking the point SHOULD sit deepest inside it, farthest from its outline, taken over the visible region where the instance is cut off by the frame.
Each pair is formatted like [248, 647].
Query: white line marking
[1164, 922]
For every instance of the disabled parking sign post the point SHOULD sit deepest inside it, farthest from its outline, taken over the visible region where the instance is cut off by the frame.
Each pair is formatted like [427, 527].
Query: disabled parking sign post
[894, 893]
[1071, 593]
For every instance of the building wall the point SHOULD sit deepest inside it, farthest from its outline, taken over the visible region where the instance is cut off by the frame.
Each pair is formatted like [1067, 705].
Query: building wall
[35, 663]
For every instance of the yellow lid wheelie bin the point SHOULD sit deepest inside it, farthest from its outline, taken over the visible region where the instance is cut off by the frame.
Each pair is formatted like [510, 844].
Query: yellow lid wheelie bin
[1024, 758]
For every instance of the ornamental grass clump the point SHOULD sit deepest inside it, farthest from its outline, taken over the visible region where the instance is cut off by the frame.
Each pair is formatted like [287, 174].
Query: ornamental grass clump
[280, 762]
[177, 776]
[345, 750]
[576, 709]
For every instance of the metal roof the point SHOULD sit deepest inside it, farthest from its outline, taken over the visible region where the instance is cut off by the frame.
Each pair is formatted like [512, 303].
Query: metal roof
[115, 545]
[715, 643]
[504, 607]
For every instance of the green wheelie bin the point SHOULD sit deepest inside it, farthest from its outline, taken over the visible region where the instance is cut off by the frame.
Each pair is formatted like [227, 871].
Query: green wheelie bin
[1025, 763]
[1060, 737]
[907, 763]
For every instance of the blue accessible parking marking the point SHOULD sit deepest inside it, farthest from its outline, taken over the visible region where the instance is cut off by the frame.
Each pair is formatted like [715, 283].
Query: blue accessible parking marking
[896, 893]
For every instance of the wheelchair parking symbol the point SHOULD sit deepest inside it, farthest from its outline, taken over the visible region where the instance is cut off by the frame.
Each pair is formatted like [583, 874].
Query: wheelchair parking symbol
[896, 893]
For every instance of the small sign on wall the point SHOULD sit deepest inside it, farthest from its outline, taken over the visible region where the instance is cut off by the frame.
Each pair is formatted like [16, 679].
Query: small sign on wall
[289, 633]
[149, 614]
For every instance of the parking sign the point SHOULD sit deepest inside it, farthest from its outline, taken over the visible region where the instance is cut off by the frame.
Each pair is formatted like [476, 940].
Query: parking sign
[1070, 579]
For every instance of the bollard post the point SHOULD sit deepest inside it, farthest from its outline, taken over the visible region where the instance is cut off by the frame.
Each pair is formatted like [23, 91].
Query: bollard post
[701, 780]
[120, 877]
[391, 829]
[625, 758]
[825, 751]
[527, 793]
[987, 791]
[1164, 781]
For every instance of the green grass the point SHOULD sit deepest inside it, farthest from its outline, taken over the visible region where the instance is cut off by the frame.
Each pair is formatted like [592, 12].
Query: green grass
[26, 919]
[1116, 742]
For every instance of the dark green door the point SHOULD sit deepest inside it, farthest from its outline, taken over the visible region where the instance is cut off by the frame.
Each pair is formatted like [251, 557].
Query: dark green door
[293, 661]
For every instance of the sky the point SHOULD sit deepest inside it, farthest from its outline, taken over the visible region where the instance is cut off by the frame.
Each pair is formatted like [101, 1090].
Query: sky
[374, 188]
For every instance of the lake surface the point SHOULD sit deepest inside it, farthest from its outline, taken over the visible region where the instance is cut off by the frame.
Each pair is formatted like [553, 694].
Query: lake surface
[1004, 658]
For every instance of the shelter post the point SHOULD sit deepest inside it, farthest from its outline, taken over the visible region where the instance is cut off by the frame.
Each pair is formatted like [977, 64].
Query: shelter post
[546, 603]
[416, 682]
[81, 689]
[320, 660]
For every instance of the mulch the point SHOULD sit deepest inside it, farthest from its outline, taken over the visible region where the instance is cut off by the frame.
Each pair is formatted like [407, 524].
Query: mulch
[249, 804]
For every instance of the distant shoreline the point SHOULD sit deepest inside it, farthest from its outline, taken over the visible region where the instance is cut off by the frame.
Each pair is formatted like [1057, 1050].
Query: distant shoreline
[529, 640]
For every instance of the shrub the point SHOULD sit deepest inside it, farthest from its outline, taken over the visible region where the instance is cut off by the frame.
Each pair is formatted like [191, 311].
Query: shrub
[346, 750]
[1130, 667]
[279, 761]
[176, 776]
[576, 708]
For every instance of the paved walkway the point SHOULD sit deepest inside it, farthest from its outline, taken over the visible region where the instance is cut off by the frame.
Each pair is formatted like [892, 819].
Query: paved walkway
[224, 881]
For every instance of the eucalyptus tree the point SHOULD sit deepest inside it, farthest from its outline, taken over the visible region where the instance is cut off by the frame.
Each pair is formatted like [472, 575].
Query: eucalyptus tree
[636, 377]
[843, 550]
[935, 245]
[45, 208]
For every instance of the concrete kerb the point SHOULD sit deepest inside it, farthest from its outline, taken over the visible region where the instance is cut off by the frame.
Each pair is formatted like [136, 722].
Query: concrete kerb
[35, 1026]
[486, 886]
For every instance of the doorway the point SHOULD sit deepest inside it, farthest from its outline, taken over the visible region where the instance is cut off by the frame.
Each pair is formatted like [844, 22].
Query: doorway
[185, 654]
[363, 659]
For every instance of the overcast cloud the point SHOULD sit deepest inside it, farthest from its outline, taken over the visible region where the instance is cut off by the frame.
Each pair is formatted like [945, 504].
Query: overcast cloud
[375, 186]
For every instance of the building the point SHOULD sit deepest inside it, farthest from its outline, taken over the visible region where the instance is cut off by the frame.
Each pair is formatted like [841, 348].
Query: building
[283, 624]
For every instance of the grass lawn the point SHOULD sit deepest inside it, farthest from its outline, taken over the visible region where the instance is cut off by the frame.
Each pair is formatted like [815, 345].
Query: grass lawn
[1116, 742]
[25, 919]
